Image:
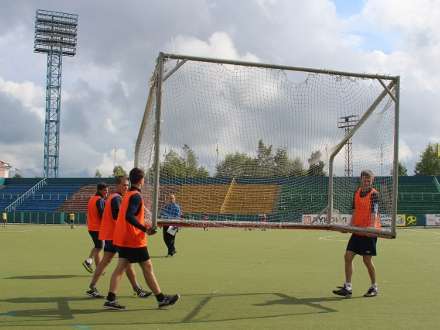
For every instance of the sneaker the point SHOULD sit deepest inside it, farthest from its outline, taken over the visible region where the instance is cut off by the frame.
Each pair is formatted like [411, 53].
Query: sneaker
[141, 293]
[372, 292]
[343, 291]
[87, 266]
[113, 305]
[94, 293]
[168, 300]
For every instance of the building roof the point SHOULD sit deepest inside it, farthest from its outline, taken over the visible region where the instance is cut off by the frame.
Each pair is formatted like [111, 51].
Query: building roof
[5, 165]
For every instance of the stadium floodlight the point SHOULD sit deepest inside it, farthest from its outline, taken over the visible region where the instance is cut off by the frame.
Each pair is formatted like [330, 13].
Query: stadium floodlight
[55, 35]
[260, 144]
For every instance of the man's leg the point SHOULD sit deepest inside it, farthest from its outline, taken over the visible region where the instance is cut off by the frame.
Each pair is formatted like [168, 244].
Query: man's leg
[93, 292]
[97, 256]
[346, 289]
[165, 238]
[172, 247]
[114, 284]
[162, 299]
[372, 291]
[131, 275]
[348, 261]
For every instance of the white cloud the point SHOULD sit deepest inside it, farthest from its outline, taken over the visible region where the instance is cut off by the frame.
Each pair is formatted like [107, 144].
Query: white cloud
[27, 93]
[116, 156]
[218, 45]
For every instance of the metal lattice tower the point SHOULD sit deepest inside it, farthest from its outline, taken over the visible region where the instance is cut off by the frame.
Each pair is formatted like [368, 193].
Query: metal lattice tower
[347, 122]
[55, 35]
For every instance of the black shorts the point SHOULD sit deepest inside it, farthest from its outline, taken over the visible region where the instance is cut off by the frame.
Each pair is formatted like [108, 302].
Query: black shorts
[134, 255]
[109, 247]
[94, 235]
[362, 245]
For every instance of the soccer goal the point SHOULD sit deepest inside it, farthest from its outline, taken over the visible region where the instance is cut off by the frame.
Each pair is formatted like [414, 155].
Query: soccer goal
[244, 144]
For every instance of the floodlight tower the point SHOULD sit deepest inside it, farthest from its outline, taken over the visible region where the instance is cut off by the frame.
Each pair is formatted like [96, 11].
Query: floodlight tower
[347, 122]
[55, 35]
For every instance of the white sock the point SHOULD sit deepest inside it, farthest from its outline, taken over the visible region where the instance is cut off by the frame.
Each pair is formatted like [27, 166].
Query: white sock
[374, 285]
[89, 261]
[347, 285]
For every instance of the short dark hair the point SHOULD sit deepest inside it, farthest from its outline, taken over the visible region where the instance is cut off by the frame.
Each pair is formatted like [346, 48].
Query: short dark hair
[101, 185]
[367, 173]
[120, 179]
[136, 175]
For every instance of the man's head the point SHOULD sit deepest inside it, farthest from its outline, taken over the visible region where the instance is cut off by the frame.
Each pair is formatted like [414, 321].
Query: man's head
[367, 178]
[172, 198]
[137, 176]
[102, 189]
[122, 184]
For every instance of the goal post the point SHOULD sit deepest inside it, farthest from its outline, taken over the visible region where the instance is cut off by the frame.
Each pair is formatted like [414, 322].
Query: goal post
[271, 133]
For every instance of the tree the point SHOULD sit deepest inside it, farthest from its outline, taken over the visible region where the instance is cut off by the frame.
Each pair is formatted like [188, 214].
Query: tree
[403, 171]
[175, 166]
[429, 163]
[235, 166]
[98, 174]
[285, 166]
[316, 165]
[118, 170]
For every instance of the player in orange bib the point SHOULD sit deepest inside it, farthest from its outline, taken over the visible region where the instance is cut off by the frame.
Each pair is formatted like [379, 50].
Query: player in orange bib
[365, 214]
[106, 231]
[95, 209]
[131, 242]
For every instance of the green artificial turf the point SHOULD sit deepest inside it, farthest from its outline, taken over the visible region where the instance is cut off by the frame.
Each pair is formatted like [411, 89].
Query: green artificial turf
[227, 278]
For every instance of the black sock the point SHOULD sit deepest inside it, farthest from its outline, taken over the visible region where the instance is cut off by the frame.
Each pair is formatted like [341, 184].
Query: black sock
[111, 296]
[159, 297]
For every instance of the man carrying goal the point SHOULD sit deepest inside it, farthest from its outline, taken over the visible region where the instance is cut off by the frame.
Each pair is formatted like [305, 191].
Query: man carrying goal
[130, 238]
[365, 214]
[106, 232]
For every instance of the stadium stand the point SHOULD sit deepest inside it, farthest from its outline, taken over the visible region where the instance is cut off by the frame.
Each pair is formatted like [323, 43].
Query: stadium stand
[14, 188]
[279, 199]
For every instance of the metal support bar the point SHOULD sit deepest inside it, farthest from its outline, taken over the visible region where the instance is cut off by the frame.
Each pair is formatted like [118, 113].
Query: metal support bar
[396, 157]
[155, 204]
[148, 109]
[341, 144]
[280, 67]
[178, 65]
[388, 90]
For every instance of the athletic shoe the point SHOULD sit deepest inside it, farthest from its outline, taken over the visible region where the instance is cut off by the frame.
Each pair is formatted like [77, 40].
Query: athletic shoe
[372, 292]
[141, 293]
[113, 305]
[168, 300]
[87, 266]
[343, 291]
[94, 293]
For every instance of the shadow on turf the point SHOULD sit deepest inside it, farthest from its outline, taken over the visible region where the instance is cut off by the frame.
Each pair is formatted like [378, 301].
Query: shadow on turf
[43, 277]
[64, 312]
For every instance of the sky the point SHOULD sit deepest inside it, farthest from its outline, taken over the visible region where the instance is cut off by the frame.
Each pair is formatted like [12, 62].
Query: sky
[105, 85]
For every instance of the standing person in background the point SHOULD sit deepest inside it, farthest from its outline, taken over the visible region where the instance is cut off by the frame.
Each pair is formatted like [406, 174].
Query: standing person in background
[95, 210]
[171, 211]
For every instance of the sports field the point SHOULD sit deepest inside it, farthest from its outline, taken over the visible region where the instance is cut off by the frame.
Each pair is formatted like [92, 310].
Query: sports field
[228, 278]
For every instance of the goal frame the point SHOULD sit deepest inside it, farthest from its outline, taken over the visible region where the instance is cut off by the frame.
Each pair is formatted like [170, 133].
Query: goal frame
[391, 88]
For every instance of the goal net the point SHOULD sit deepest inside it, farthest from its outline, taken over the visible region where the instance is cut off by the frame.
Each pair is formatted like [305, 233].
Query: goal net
[257, 145]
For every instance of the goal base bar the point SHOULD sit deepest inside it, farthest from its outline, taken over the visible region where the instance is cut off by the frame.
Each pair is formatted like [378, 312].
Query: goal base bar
[273, 225]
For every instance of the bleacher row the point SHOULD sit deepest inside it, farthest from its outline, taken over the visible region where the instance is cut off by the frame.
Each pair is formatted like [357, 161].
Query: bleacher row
[245, 199]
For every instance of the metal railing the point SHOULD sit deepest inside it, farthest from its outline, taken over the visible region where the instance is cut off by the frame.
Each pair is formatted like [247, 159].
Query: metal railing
[19, 200]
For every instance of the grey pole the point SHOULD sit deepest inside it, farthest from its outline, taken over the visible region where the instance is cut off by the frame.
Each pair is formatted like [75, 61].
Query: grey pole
[396, 157]
[155, 202]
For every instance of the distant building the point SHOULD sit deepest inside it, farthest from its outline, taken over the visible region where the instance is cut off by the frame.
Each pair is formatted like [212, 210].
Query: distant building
[4, 169]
